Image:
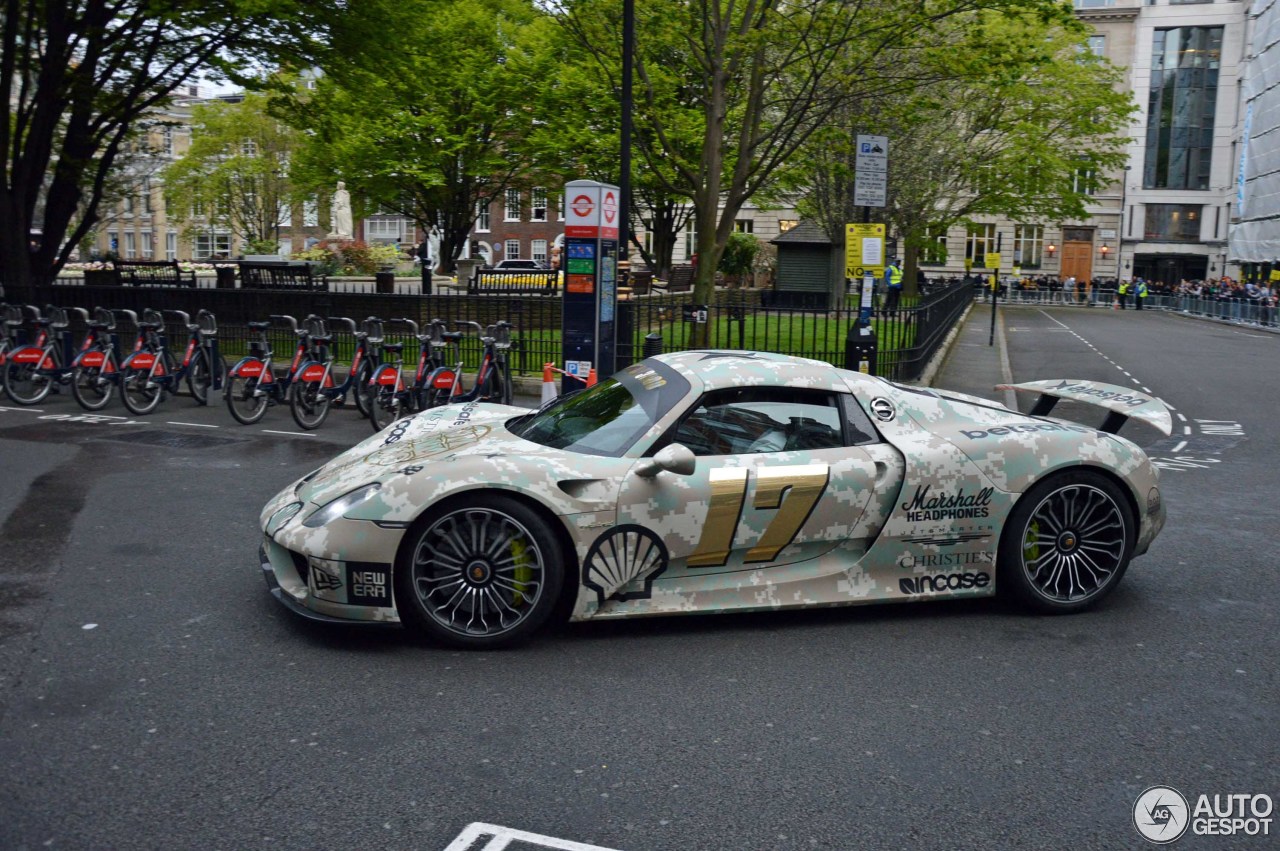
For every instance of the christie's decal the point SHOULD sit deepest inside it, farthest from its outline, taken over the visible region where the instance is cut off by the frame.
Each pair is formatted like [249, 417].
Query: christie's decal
[958, 506]
[944, 560]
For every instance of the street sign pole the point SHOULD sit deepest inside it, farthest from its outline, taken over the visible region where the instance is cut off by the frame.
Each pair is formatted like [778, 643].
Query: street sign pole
[995, 287]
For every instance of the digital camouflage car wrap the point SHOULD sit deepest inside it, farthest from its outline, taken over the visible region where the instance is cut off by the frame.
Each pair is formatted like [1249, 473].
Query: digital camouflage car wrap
[914, 510]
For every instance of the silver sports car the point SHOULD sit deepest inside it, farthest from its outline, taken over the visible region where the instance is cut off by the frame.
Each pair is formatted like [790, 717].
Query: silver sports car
[714, 481]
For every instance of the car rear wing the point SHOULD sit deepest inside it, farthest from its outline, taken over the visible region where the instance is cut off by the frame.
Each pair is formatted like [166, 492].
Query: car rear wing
[1121, 403]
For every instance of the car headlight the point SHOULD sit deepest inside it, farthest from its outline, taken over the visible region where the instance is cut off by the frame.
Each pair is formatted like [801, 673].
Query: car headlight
[341, 505]
[282, 516]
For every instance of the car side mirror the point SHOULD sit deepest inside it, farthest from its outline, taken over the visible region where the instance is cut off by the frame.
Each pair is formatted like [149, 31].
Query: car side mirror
[676, 458]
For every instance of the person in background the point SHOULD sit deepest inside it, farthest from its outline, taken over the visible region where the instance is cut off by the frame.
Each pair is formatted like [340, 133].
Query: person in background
[1122, 293]
[1140, 294]
[893, 283]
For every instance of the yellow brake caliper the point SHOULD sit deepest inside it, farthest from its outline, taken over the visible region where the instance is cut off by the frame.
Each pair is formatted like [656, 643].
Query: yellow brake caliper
[1031, 546]
[523, 572]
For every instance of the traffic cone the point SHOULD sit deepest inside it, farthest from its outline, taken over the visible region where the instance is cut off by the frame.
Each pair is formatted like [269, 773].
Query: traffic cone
[591, 378]
[549, 391]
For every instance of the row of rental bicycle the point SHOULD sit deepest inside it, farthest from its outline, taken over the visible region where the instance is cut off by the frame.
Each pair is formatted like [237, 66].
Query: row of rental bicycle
[39, 355]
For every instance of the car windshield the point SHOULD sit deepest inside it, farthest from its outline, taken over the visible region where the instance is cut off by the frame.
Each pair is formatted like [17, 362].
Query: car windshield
[608, 418]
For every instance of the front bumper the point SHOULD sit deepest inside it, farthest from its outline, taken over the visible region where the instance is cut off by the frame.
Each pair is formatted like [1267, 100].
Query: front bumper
[295, 588]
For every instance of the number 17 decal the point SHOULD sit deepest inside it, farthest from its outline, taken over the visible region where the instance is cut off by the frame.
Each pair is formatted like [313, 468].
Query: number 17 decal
[794, 491]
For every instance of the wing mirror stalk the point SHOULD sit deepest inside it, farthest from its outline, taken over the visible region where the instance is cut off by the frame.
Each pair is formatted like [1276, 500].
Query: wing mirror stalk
[675, 459]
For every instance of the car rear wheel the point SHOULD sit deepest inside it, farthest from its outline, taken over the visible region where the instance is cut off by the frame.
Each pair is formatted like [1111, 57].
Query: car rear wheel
[480, 574]
[1067, 542]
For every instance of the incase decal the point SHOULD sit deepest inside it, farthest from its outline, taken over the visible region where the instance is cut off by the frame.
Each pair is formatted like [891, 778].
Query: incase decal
[943, 582]
[368, 584]
[944, 506]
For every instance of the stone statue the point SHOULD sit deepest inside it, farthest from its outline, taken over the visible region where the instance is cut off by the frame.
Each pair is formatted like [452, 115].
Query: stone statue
[340, 213]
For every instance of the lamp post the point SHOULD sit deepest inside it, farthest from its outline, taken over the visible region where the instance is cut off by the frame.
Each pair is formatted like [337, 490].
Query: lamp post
[1124, 189]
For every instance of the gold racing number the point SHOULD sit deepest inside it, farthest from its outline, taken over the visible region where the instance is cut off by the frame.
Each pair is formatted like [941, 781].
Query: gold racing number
[794, 491]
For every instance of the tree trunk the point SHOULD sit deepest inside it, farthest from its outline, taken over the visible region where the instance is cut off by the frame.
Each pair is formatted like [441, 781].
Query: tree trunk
[910, 263]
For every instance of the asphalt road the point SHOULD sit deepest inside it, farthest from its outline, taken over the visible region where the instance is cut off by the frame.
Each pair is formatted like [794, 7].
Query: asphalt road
[152, 695]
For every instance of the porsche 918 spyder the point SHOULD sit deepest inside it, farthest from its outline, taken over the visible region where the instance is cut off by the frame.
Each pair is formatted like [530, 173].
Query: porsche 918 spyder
[716, 481]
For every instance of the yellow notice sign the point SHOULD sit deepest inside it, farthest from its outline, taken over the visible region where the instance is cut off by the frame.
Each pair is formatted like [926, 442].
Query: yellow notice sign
[1275, 275]
[992, 261]
[863, 250]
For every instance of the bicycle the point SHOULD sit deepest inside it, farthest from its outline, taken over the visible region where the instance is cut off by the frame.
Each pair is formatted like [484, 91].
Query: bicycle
[32, 371]
[493, 379]
[434, 382]
[252, 384]
[151, 371]
[9, 328]
[95, 372]
[314, 389]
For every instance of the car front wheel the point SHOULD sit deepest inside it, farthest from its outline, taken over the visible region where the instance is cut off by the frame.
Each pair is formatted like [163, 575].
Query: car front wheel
[1067, 542]
[482, 573]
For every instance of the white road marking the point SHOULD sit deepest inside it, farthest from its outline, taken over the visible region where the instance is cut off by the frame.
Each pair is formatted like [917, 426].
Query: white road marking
[197, 425]
[500, 837]
[1182, 418]
[1182, 444]
[1146, 389]
[293, 433]
[1186, 429]
[32, 410]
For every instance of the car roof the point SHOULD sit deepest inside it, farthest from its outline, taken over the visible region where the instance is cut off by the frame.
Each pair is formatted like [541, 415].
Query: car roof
[716, 369]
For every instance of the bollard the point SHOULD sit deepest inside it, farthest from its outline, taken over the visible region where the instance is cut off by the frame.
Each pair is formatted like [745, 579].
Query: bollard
[652, 345]
[226, 277]
[384, 283]
[427, 275]
[860, 349]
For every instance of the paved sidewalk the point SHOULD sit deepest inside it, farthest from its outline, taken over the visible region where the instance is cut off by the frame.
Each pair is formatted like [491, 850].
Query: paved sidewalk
[972, 366]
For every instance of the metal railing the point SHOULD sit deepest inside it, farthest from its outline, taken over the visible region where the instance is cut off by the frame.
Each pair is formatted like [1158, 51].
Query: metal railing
[736, 319]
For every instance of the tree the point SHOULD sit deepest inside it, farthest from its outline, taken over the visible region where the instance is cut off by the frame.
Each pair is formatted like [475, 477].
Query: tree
[728, 91]
[82, 74]
[235, 175]
[432, 130]
[1019, 121]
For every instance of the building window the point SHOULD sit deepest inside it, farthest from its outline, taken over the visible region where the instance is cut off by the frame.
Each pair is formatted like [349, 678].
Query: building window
[1094, 4]
[538, 203]
[145, 197]
[538, 250]
[690, 240]
[1084, 181]
[113, 241]
[1028, 244]
[171, 245]
[130, 244]
[1173, 222]
[933, 246]
[128, 205]
[1181, 107]
[166, 139]
[482, 217]
[386, 228]
[785, 225]
[513, 249]
[311, 213]
[210, 245]
[249, 148]
[744, 226]
[1098, 45]
[511, 211]
[979, 240]
[145, 245]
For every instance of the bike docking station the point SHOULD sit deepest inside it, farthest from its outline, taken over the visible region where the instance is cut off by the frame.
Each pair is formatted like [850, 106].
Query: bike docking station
[590, 281]
[864, 261]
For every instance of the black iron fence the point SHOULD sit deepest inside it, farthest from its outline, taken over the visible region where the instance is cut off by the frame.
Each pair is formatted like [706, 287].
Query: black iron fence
[735, 319]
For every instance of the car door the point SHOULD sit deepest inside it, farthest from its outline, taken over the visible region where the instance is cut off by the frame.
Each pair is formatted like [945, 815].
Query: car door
[780, 479]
